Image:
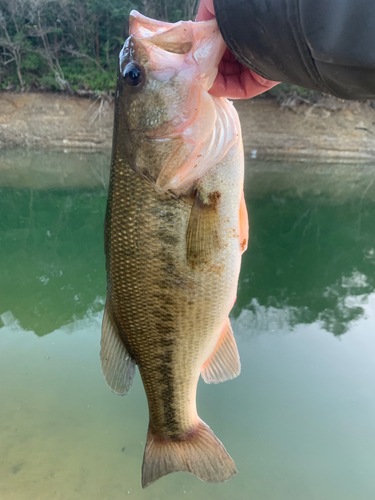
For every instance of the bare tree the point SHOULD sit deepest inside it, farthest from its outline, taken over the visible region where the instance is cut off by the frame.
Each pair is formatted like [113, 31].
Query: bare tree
[12, 49]
[40, 30]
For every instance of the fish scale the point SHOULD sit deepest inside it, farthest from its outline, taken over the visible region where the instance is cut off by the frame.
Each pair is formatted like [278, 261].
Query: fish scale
[145, 279]
[137, 257]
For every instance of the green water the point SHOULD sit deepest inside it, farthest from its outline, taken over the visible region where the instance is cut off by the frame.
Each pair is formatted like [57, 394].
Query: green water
[300, 419]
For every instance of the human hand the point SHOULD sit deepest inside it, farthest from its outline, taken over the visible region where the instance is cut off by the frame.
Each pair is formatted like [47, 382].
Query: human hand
[234, 80]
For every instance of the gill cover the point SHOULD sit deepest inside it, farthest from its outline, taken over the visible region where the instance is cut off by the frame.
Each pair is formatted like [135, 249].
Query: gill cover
[181, 63]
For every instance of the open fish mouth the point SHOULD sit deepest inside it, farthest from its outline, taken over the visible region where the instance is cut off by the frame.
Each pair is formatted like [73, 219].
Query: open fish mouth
[180, 60]
[182, 47]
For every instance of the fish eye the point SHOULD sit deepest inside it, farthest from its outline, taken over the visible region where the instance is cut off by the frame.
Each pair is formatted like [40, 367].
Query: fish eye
[133, 74]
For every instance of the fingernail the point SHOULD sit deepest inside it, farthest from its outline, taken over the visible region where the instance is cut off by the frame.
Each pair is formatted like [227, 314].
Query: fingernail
[264, 81]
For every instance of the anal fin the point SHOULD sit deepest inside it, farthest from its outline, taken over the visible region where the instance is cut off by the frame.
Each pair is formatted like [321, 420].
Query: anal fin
[117, 366]
[224, 363]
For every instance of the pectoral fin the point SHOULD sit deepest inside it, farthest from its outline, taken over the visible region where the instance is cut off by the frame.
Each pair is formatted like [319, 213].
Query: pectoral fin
[244, 225]
[117, 366]
[202, 236]
[224, 362]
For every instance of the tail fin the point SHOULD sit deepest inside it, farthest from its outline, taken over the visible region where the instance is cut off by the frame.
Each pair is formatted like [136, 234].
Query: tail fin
[201, 454]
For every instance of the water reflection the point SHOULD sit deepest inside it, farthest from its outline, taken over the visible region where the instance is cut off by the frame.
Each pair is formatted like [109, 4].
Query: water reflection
[310, 259]
[298, 421]
[51, 169]
[52, 263]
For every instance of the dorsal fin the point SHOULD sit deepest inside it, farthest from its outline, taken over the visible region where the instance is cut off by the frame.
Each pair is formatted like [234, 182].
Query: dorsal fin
[117, 366]
[224, 362]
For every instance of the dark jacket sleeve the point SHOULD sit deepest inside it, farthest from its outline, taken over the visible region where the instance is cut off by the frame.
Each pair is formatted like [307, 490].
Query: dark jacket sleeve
[324, 45]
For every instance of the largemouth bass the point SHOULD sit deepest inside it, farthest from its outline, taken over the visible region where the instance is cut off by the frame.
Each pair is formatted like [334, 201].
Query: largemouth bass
[175, 229]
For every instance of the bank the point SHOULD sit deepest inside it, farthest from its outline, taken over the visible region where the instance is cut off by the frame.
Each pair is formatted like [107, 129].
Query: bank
[327, 130]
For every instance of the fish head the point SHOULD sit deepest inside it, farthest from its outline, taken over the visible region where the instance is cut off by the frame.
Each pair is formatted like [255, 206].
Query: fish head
[162, 99]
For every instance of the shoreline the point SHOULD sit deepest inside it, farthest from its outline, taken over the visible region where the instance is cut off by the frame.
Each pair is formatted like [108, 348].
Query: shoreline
[328, 182]
[329, 130]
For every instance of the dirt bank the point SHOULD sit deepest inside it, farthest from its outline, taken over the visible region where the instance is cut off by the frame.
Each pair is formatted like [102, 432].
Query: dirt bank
[327, 130]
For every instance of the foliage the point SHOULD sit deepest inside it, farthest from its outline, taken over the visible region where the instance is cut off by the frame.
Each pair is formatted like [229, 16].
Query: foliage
[292, 94]
[71, 44]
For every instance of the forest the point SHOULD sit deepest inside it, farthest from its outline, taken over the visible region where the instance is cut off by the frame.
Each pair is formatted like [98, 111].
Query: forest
[71, 45]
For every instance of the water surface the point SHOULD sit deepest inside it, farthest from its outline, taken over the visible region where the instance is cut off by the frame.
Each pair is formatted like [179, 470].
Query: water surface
[299, 421]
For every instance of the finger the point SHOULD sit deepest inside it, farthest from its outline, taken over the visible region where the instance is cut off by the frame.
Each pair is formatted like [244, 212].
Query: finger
[254, 84]
[229, 56]
[240, 86]
[263, 81]
[230, 68]
[206, 10]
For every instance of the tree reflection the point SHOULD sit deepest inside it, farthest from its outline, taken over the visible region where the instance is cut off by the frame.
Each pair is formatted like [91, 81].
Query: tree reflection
[307, 258]
[309, 255]
[52, 266]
